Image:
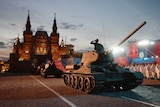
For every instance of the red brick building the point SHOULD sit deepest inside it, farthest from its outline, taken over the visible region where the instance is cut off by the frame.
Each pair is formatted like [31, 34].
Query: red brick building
[36, 48]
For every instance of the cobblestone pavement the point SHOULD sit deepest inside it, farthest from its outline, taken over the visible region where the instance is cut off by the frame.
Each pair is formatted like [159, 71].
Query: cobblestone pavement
[35, 91]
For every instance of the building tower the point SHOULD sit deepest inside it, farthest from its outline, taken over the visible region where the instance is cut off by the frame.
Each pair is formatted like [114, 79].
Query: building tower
[28, 38]
[54, 40]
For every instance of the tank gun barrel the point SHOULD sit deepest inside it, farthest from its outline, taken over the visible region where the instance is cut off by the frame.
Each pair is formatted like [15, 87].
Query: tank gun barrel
[129, 35]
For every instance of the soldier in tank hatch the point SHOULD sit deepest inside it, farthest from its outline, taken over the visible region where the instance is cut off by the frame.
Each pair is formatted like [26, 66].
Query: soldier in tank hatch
[103, 56]
[98, 47]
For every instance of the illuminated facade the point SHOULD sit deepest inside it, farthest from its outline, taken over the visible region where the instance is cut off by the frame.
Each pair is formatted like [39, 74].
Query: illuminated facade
[146, 52]
[143, 49]
[38, 47]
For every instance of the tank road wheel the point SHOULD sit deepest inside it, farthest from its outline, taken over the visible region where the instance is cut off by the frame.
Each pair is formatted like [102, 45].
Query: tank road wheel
[93, 82]
[75, 81]
[87, 85]
[66, 79]
[71, 80]
[80, 83]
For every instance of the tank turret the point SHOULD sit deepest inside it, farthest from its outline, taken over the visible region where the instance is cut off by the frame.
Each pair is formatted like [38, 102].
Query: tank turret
[97, 68]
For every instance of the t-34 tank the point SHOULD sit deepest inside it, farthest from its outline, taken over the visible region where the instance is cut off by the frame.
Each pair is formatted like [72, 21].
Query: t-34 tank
[97, 69]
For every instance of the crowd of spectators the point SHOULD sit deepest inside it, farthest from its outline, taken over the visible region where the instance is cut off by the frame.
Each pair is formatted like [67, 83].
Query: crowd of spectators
[150, 71]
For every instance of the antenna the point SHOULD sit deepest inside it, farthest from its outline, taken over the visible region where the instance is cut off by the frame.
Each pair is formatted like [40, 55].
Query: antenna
[65, 40]
[104, 35]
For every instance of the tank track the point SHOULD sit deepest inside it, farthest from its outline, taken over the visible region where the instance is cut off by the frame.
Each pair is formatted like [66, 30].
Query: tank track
[89, 84]
[82, 82]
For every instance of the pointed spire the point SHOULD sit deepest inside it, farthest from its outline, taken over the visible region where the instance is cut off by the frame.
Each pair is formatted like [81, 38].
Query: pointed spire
[17, 40]
[55, 16]
[54, 28]
[28, 24]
